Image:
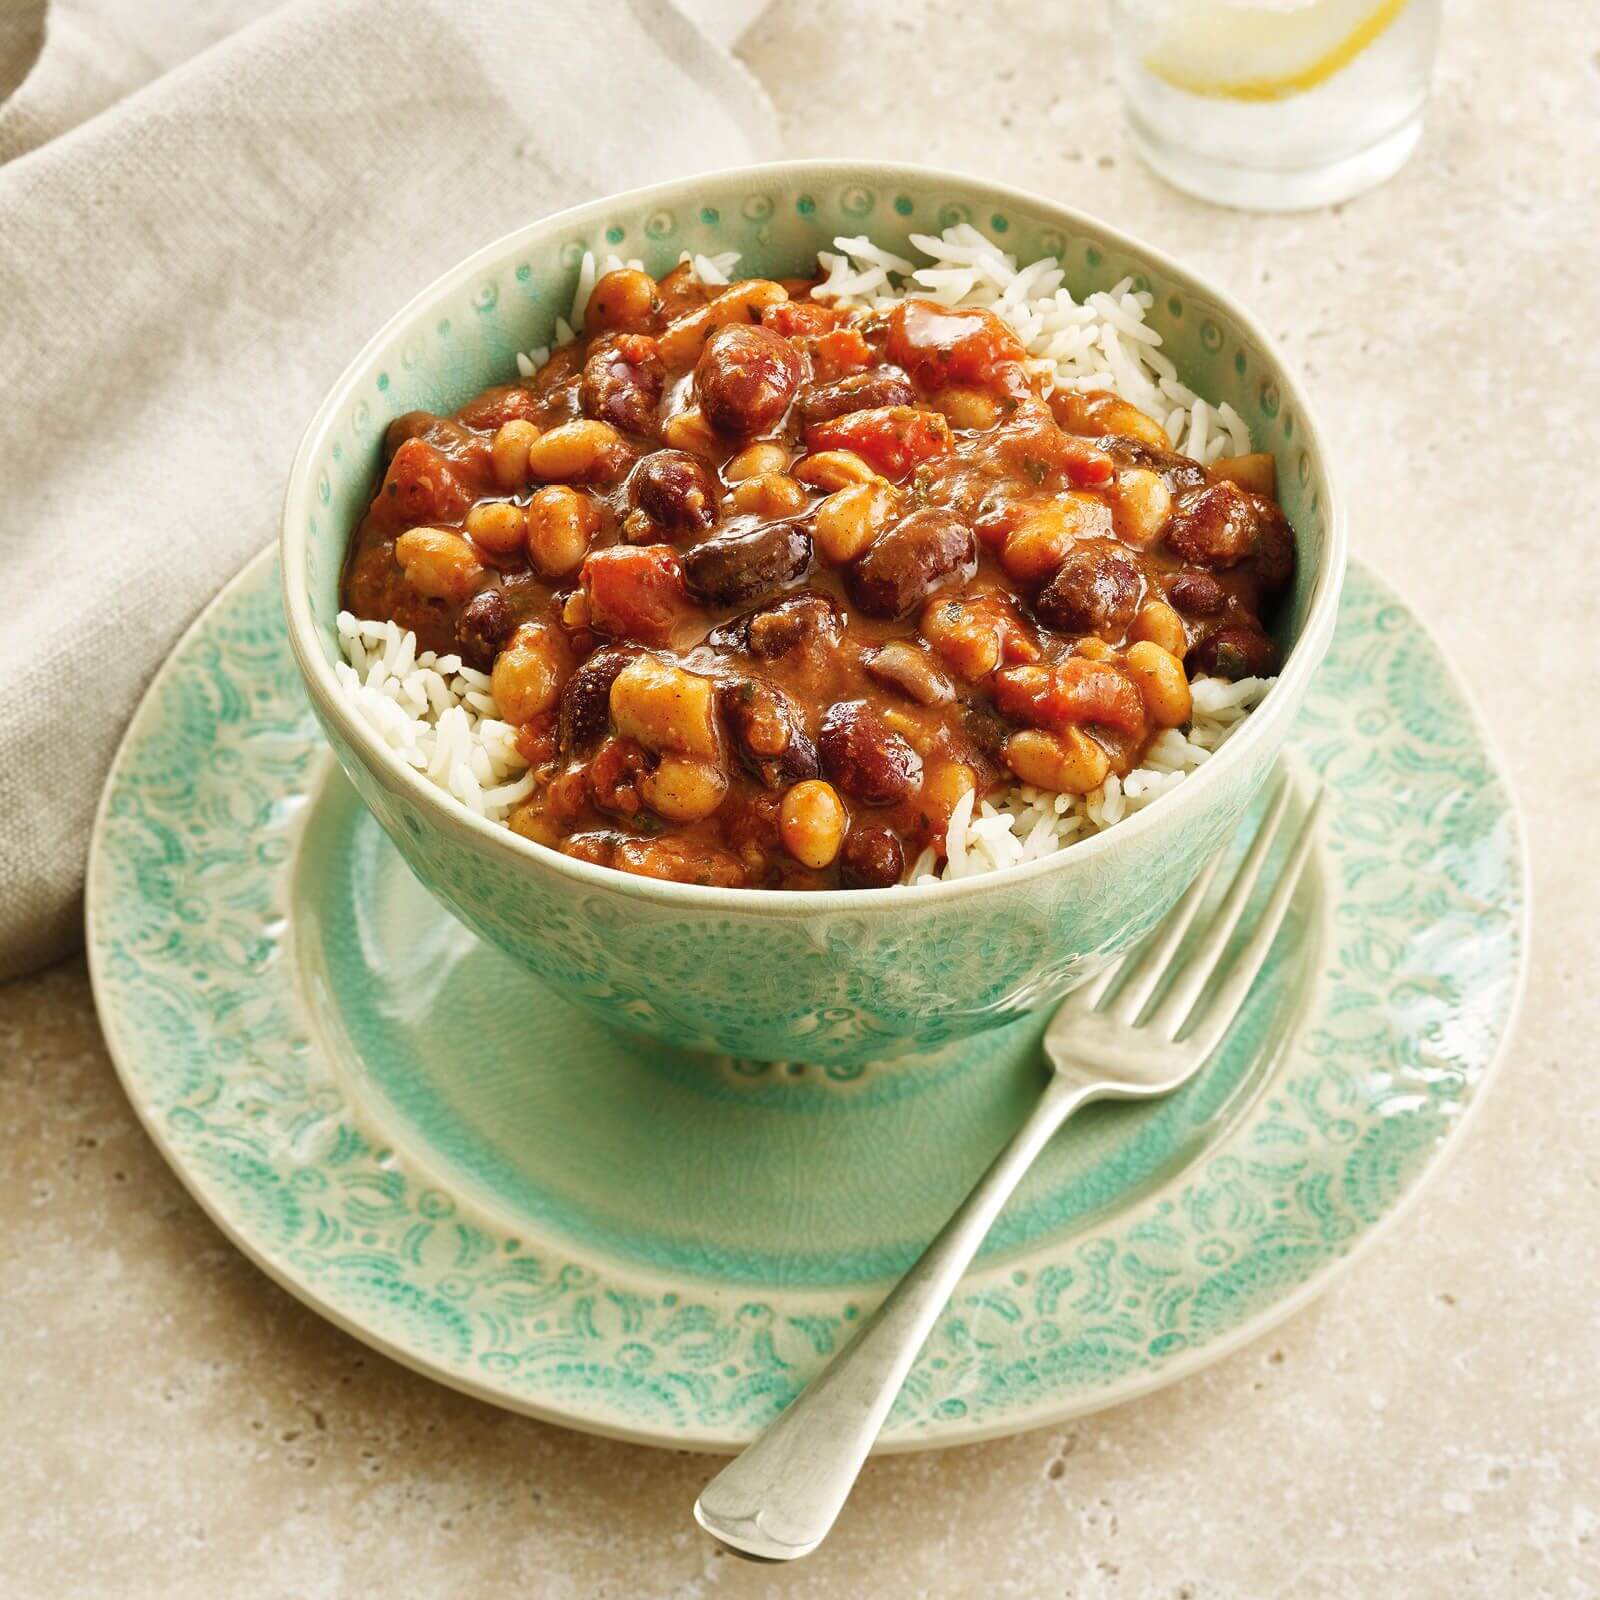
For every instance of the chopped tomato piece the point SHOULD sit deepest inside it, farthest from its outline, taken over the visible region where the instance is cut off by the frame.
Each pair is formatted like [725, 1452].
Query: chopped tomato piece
[940, 345]
[891, 438]
[536, 740]
[420, 487]
[635, 591]
[796, 319]
[1037, 449]
[495, 407]
[840, 352]
[1075, 690]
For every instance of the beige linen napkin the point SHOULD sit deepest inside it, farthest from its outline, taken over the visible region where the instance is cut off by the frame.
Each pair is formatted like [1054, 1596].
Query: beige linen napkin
[201, 219]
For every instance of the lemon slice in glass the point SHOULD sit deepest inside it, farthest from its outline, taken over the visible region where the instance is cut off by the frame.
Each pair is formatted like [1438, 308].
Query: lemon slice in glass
[1264, 49]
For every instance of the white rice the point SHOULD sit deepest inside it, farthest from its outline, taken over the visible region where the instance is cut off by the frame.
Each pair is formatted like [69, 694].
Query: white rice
[435, 713]
[438, 715]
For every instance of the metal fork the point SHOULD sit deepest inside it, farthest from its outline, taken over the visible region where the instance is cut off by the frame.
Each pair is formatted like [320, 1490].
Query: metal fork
[777, 1500]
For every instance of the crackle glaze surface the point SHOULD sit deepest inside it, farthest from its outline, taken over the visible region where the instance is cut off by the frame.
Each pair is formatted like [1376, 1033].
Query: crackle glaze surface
[253, 973]
[745, 973]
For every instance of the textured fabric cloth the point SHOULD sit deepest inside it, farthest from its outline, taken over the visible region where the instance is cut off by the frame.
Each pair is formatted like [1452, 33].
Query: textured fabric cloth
[195, 236]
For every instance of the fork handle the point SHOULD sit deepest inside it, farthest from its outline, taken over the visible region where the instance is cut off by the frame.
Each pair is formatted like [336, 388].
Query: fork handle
[778, 1499]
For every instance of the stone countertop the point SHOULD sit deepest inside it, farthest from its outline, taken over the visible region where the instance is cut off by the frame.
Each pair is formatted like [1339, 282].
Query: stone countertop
[178, 1426]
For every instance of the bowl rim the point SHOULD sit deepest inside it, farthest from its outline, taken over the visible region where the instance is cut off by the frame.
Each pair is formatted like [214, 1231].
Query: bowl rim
[333, 705]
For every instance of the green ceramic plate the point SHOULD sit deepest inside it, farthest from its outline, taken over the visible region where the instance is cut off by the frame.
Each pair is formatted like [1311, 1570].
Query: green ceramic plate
[409, 1133]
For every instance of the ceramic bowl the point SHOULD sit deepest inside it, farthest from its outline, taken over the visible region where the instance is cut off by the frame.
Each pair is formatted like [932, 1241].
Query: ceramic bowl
[838, 977]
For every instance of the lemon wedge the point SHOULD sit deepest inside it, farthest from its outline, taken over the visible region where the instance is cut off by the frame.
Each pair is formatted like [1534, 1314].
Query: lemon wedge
[1265, 49]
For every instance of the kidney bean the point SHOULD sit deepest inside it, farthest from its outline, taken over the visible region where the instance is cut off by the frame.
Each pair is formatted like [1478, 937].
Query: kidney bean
[909, 560]
[745, 377]
[1213, 527]
[622, 383]
[775, 629]
[863, 391]
[871, 858]
[1095, 590]
[1274, 551]
[865, 757]
[1179, 473]
[769, 736]
[586, 699]
[484, 625]
[1233, 653]
[742, 563]
[676, 490]
[1197, 594]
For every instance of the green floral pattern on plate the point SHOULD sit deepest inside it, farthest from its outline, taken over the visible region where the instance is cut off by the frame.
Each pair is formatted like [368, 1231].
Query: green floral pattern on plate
[203, 987]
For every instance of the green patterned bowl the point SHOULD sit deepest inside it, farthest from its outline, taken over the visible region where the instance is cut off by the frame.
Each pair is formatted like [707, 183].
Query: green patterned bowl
[834, 978]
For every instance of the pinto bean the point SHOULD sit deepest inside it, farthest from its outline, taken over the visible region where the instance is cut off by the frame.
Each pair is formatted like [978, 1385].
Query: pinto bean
[1160, 678]
[864, 757]
[1069, 762]
[737, 306]
[744, 563]
[909, 560]
[775, 629]
[851, 518]
[530, 672]
[745, 378]
[1159, 624]
[509, 452]
[974, 636]
[768, 732]
[560, 522]
[622, 383]
[1095, 590]
[581, 449]
[438, 563]
[483, 626]
[1215, 527]
[1045, 532]
[586, 699]
[1098, 412]
[862, 391]
[666, 707]
[676, 490]
[811, 823]
[1233, 653]
[1197, 594]
[683, 788]
[871, 858]
[625, 300]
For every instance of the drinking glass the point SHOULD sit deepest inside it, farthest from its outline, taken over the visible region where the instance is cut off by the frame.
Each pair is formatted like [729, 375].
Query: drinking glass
[1275, 105]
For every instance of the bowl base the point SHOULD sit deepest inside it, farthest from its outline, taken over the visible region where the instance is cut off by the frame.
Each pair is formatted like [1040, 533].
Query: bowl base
[554, 1122]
